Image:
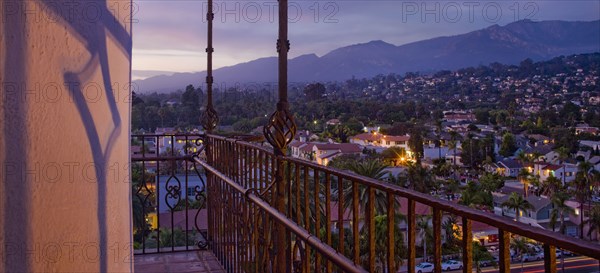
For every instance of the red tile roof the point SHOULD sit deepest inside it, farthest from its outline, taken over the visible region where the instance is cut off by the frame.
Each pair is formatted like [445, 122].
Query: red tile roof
[552, 167]
[396, 138]
[377, 137]
[307, 148]
[343, 147]
[367, 136]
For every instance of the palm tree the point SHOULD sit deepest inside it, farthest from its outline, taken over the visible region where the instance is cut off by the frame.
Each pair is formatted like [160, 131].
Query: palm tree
[559, 210]
[535, 156]
[586, 168]
[563, 154]
[551, 186]
[453, 144]
[451, 244]
[535, 181]
[369, 168]
[517, 203]
[523, 177]
[419, 178]
[580, 190]
[424, 232]
[373, 169]
[381, 240]
[438, 126]
[474, 196]
[470, 136]
[522, 157]
[520, 245]
[593, 220]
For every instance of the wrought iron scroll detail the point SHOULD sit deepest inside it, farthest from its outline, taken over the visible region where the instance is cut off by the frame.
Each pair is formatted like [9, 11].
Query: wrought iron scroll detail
[281, 129]
[298, 256]
[173, 187]
[210, 119]
[200, 193]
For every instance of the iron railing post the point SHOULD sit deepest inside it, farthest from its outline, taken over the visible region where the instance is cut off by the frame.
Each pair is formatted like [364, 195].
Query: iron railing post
[209, 119]
[467, 245]
[279, 132]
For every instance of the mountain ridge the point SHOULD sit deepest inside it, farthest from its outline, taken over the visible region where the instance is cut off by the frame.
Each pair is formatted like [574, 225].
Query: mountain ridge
[507, 44]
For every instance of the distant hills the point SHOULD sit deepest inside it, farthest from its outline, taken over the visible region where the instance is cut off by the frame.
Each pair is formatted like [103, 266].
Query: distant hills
[508, 44]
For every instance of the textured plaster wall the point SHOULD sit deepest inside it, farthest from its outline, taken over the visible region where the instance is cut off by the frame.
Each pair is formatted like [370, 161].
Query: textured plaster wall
[64, 136]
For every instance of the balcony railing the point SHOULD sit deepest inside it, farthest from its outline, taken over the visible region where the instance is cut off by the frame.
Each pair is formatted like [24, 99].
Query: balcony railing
[333, 221]
[168, 194]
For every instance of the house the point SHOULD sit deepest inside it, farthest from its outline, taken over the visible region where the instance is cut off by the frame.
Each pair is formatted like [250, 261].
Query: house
[137, 151]
[486, 235]
[306, 136]
[333, 122]
[435, 152]
[583, 155]
[322, 153]
[381, 140]
[509, 167]
[595, 145]
[325, 152]
[165, 131]
[302, 150]
[565, 172]
[575, 217]
[538, 216]
[542, 152]
[584, 128]
[458, 116]
[539, 140]
[450, 157]
[595, 161]
[177, 144]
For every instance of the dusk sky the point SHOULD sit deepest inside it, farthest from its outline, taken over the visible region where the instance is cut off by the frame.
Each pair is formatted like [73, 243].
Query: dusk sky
[171, 35]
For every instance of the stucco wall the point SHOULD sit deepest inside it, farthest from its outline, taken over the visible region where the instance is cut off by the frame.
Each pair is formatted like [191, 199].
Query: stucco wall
[64, 136]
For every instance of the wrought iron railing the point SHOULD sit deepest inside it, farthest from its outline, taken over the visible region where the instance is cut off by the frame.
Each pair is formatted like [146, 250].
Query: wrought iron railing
[336, 221]
[168, 193]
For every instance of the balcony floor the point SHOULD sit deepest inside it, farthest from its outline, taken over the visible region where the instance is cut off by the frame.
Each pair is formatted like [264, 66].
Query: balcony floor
[193, 261]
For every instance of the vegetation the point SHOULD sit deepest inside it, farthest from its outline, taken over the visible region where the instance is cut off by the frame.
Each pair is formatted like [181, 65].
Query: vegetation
[517, 203]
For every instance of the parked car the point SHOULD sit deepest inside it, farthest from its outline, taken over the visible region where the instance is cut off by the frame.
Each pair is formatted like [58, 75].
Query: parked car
[451, 265]
[485, 263]
[424, 268]
[564, 252]
[532, 257]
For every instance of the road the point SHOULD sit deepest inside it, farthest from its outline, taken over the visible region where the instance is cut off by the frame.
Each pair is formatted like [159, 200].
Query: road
[572, 265]
[579, 264]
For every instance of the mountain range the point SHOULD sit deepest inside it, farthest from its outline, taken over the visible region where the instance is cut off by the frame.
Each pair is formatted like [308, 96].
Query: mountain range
[509, 44]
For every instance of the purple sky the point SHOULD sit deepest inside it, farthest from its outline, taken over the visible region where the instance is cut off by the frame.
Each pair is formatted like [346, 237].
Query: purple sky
[171, 35]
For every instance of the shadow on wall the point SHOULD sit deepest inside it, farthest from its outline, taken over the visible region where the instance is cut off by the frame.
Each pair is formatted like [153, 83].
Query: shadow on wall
[93, 34]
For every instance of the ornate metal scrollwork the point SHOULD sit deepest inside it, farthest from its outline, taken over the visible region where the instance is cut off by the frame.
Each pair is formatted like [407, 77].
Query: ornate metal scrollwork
[210, 119]
[281, 129]
[200, 143]
[200, 192]
[264, 257]
[298, 256]
[173, 192]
